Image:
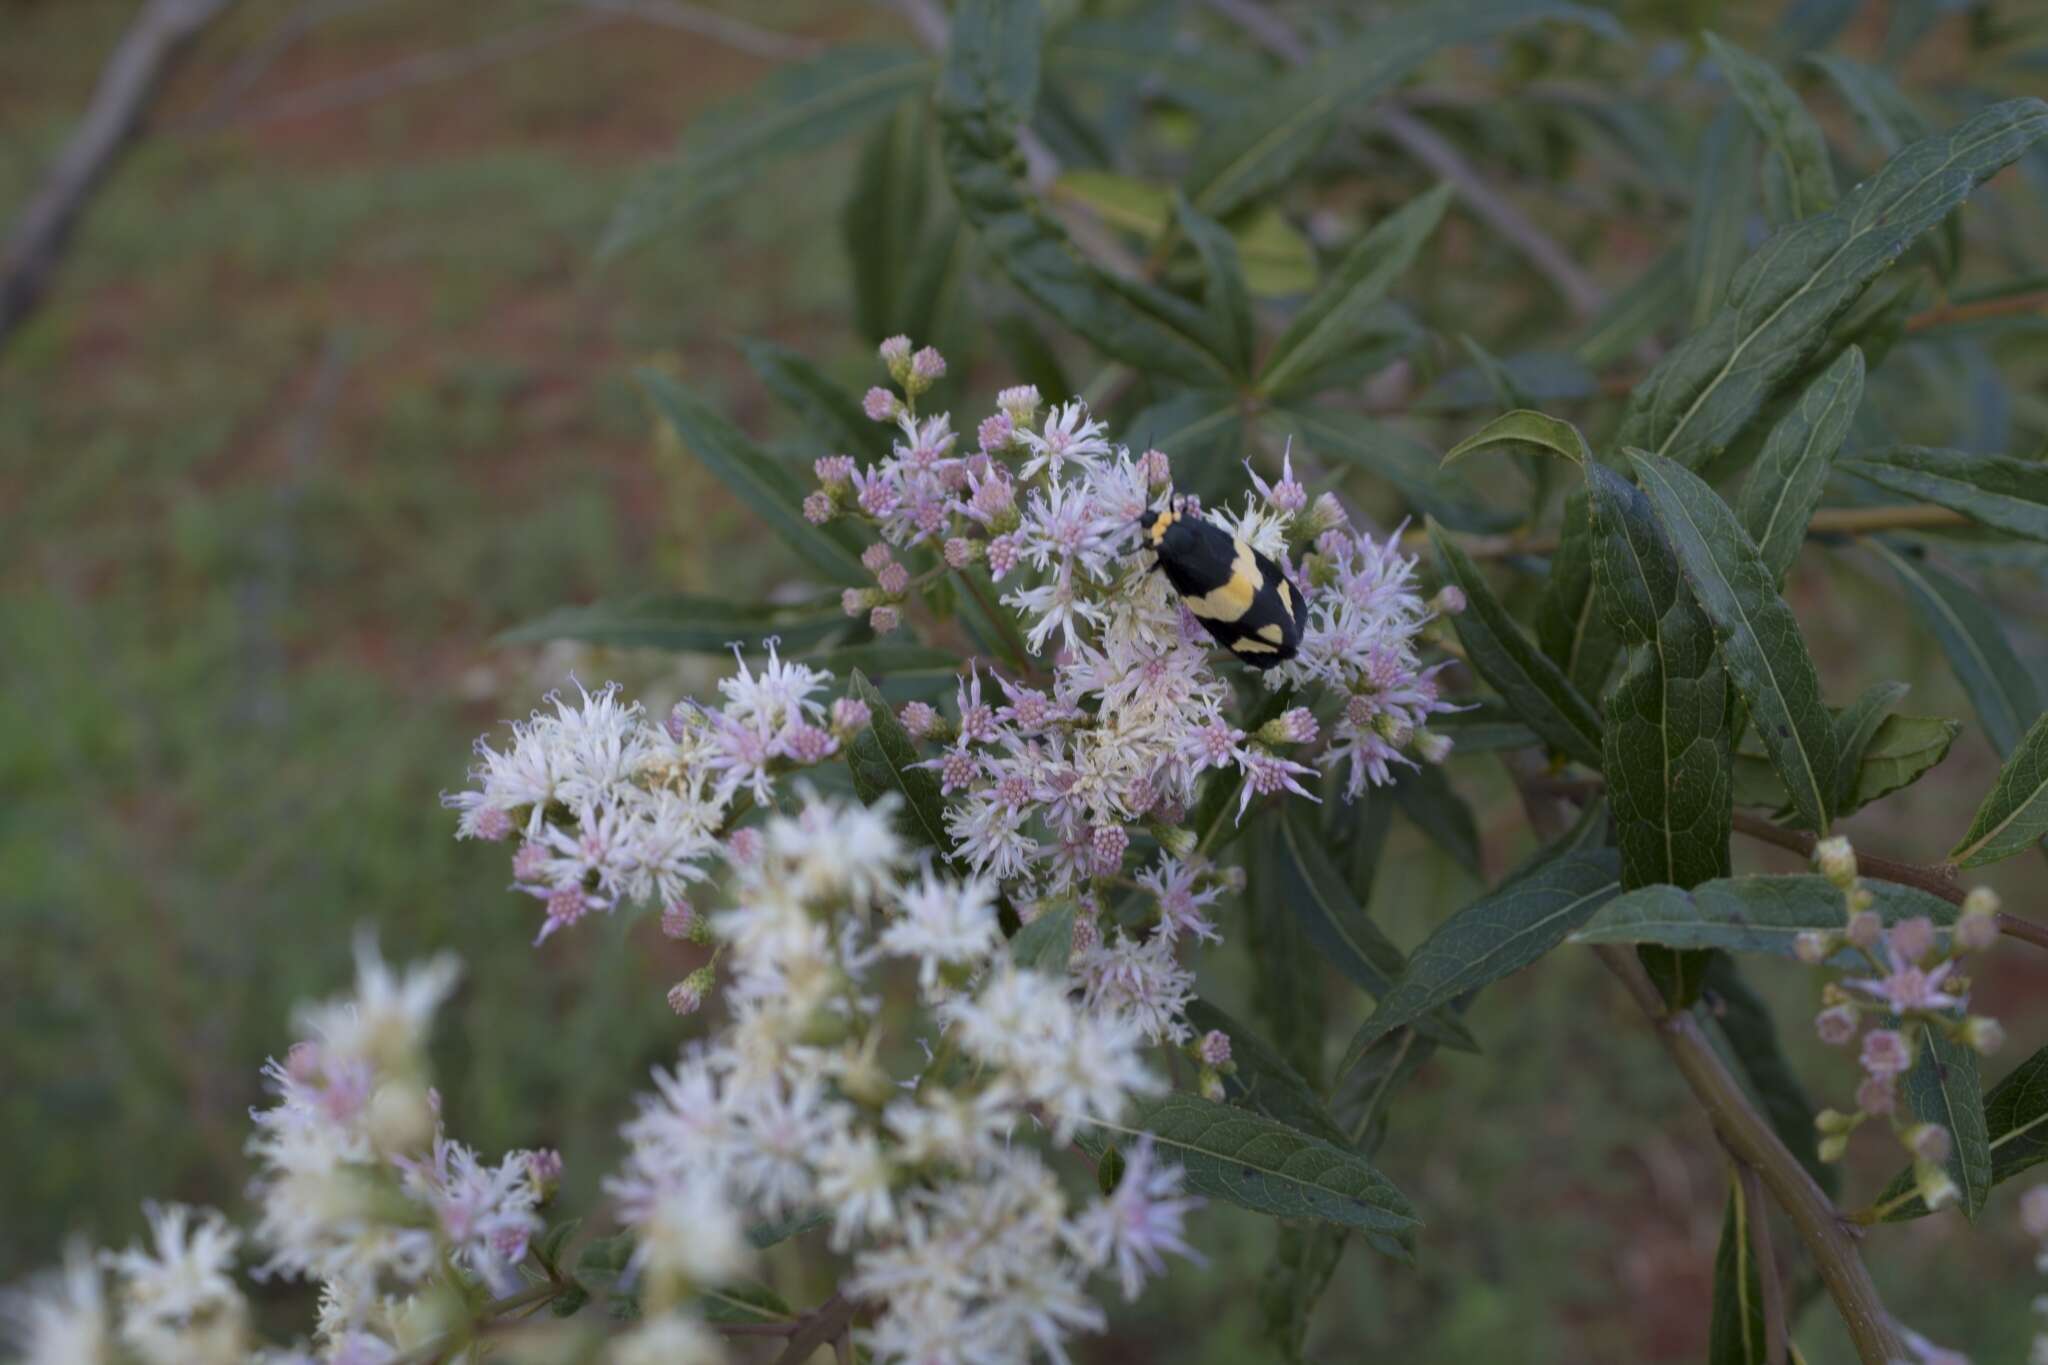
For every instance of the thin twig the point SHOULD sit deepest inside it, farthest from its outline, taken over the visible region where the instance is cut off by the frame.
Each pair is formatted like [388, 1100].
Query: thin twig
[1436, 152]
[827, 1322]
[163, 31]
[426, 68]
[251, 66]
[1756, 1219]
[768, 44]
[1954, 313]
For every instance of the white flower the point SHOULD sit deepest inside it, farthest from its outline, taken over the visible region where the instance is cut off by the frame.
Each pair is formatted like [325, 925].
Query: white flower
[179, 1303]
[942, 922]
[667, 1339]
[60, 1319]
[1141, 981]
[1139, 1221]
[385, 1024]
[687, 1229]
[855, 1181]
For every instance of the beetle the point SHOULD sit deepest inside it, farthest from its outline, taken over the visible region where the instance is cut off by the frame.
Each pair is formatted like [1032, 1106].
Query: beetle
[1241, 597]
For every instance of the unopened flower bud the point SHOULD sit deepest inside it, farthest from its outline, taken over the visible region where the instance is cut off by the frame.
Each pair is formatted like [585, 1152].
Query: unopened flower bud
[1431, 747]
[1393, 729]
[1325, 515]
[895, 580]
[877, 557]
[818, 508]
[895, 353]
[854, 601]
[686, 997]
[1834, 1121]
[1211, 1085]
[881, 405]
[2034, 1215]
[1813, 946]
[1157, 469]
[400, 1118]
[1449, 600]
[1835, 1026]
[1866, 929]
[1834, 1147]
[1215, 1047]
[961, 552]
[850, 714]
[1858, 899]
[1177, 841]
[1983, 1034]
[678, 920]
[927, 367]
[918, 718]
[884, 619]
[1912, 939]
[1294, 726]
[1977, 929]
[1836, 860]
[1877, 1095]
[1021, 403]
[1087, 935]
[1928, 1142]
[1110, 844]
[833, 471]
[1935, 1188]
[1982, 900]
[544, 1169]
[529, 863]
[1886, 1052]
[743, 846]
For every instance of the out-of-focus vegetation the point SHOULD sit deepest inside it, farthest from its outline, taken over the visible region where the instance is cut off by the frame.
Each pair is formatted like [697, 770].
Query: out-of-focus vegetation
[325, 400]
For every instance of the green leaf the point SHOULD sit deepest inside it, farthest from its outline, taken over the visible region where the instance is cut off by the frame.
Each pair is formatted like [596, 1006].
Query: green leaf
[1045, 944]
[1880, 107]
[1571, 624]
[882, 223]
[1748, 914]
[1495, 936]
[2001, 690]
[1781, 492]
[1787, 128]
[1264, 1082]
[1279, 262]
[1855, 727]
[1667, 742]
[1225, 302]
[1261, 144]
[777, 1231]
[1533, 687]
[2014, 815]
[1942, 1088]
[1736, 1333]
[684, 623]
[1427, 799]
[1337, 924]
[985, 93]
[1760, 641]
[901, 672]
[1526, 430]
[748, 1301]
[796, 109]
[1201, 429]
[1744, 1025]
[773, 492]
[1327, 323]
[1998, 491]
[1899, 752]
[1289, 984]
[1386, 453]
[1780, 303]
[1716, 236]
[1249, 1160]
[1304, 1259]
[883, 759]
[830, 413]
[2016, 1132]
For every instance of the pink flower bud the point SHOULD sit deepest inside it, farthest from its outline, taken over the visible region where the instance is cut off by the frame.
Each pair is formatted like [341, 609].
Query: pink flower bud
[1866, 930]
[853, 601]
[918, 718]
[818, 508]
[1110, 842]
[1877, 1095]
[961, 552]
[927, 365]
[833, 470]
[743, 846]
[895, 351]
[850, 714]
[1156, 467]
[492, 824]
[895, 580]
[1929, 1142]
[1835, 1026]
[876, 557]
[881, 405]
[1003, 554]
[995, 433]
[1449, 600]
[1215, 1047]
[1087, 935]
[884, 619]
[1812, 947]
[1020, 403]
[528, 863]
[544, 1167]
[1885, 1052]
[684, 997]
[678, 920]
[2034, 1212]
[1912, 939]
[805, 743]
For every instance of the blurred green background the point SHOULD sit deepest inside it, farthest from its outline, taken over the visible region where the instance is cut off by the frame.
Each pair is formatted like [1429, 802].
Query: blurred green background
[330, 392]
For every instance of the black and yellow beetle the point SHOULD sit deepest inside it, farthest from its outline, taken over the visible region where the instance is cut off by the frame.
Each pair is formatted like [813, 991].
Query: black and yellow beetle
[1240, 596]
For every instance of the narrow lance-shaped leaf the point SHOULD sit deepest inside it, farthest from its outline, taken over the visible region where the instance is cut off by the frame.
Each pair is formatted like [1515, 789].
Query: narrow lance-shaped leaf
[1258, 1164]
[1942, 1088]
[1789, 130]
[2001, 690]
[1898, 754]
[883, 221]
[1533, 687]
[830, 413]
[1667, 741]
[1260, 145]
[1432, 805]
[1760, 641]
[2016, 1129]
[1327, 323]
[1782, 300]
[883, 761]
[769, 489]
[796, 109]
[1492, 938]
[986, 91]
[1736, 1332]
[1716, 236]
[1571, 624]
[1998, 491]
[1750, 914]
[1785, 486]
[1305, 1257]
[1226, 304]
[2014, 815]
[1526, 429]
[1855, 728]
[1334, 921]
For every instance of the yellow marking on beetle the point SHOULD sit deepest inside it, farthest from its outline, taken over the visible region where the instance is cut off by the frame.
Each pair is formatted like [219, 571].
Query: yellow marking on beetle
[1156, 532]
[1273, 633]
[1287, 597]
[1250, 646]
[1234, 598]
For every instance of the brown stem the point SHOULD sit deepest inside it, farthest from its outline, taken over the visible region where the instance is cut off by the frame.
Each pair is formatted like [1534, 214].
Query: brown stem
[2035, 302]
[1827, 1238]
[827, 1322]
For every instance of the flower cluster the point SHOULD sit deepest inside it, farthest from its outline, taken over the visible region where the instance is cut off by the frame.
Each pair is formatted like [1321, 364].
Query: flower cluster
[1915, 992]
[611, 807]
[357, 1188]
[799, 1106]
